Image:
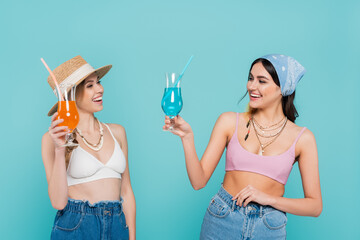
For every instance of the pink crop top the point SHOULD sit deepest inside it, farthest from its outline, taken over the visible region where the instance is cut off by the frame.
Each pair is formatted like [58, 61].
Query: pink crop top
[276, 167]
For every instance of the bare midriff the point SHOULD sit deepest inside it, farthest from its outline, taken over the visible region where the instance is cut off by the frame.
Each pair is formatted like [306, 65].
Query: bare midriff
[107, 189]
[235, 181]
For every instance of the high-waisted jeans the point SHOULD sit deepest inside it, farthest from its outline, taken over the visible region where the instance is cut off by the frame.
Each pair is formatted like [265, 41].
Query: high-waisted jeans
[82, 220]
[225, 220]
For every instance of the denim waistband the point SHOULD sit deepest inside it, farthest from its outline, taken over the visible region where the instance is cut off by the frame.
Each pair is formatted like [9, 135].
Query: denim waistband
[251, 208]
[98, 208]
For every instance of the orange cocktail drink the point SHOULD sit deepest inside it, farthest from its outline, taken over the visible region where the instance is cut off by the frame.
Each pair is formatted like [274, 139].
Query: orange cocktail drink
[67, 110]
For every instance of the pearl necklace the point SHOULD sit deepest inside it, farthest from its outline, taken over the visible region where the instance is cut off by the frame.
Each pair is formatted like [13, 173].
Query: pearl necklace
[95, 147]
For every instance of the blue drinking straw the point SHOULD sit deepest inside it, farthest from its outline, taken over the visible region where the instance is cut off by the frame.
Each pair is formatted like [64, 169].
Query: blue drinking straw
[181, 75]
[192, 56]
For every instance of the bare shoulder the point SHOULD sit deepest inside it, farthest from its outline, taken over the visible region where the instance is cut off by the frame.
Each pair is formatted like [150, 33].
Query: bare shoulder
[46, 141]
[226, 120]
[118, 131]
[306, 139]
[292, 128]
[45, 137]
[116, 127]
[226, 123]
[227, 117]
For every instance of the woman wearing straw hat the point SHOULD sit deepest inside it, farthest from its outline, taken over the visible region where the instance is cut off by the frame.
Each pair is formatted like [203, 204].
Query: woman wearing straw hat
[89, 184]
[262, 146]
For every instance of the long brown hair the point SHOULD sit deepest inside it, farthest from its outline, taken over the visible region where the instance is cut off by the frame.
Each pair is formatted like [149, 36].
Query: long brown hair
[287, 102]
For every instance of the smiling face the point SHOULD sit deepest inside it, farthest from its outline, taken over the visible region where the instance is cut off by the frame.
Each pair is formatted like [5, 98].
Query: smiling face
[89, 95]
[263, 91]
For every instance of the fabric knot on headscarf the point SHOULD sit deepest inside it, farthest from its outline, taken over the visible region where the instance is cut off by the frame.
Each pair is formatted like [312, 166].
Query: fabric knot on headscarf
[289, 71]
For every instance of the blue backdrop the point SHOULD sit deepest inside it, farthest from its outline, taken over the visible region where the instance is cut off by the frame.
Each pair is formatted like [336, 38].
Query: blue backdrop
[145, 39]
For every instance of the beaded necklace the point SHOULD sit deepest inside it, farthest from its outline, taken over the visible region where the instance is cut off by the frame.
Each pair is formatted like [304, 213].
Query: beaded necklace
[95, 147]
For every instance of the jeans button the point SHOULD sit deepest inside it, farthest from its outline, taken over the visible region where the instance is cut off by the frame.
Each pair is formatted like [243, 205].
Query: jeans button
[250, 208]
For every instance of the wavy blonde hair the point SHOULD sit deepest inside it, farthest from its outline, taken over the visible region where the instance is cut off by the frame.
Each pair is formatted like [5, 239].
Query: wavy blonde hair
[68, 150]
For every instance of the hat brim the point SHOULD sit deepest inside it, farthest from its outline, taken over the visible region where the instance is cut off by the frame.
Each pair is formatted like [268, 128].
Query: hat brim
[100, 72]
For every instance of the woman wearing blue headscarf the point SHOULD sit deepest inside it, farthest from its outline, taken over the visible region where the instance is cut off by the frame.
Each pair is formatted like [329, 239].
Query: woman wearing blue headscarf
[262, 146]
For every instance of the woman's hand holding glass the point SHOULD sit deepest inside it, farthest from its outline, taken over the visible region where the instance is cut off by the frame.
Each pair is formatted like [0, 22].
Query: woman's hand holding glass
[171, 102]
[179, 126]
[67, 111]
[57, 133]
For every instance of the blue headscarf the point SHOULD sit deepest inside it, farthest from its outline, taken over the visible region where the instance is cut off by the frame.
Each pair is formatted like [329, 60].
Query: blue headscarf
[288, 70]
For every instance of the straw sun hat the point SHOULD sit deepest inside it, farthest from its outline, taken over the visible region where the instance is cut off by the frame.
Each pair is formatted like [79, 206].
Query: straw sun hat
[71, 72]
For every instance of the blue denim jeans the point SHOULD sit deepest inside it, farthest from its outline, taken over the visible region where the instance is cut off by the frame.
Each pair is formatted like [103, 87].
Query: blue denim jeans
[82, 220]
[225, 220]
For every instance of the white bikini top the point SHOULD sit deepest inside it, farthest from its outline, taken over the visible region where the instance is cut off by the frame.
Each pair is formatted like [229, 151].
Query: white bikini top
[84, 167]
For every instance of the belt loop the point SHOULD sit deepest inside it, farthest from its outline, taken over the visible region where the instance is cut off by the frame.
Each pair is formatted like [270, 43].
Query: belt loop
[261, 211]
[82, 207]
[233, 205]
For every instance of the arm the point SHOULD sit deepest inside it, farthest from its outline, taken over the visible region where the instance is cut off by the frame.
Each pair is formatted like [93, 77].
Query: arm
[311, 204]
[199, 172]
[127, 193]
[54, 162]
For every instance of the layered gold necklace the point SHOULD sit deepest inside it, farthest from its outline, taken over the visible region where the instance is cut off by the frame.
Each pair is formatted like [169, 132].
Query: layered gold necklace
[273, 131]
[95, 147]
[269, 131]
